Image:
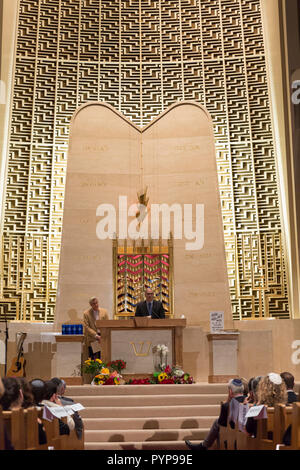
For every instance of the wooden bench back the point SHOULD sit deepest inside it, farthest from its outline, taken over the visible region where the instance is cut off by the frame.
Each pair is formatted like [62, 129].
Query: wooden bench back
[296, 427]
[279, 418]
[2, 441]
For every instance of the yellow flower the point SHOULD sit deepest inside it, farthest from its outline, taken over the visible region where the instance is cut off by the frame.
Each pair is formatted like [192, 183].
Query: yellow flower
[116, 381]
[162, 376]
[105, 371]
[99, 360]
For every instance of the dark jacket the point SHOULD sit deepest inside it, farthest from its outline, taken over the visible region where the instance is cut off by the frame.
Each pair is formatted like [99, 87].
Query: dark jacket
[157, 310]
[76, 417]
[287, 437]
[292, 397]
[223, 416]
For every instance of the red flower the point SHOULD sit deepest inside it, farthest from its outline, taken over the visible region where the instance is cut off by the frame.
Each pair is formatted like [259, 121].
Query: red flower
[109, 381]
[140, 382]
[168, 370]
[168, 381]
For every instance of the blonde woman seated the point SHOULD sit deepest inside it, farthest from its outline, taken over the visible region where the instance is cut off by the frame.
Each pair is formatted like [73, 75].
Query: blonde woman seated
[271, 390]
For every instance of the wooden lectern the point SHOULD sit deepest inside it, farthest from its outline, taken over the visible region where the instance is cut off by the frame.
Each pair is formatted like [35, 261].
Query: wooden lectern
[140, 326]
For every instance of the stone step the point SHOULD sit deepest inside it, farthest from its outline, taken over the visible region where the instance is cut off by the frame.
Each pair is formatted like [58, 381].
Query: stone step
[151, 411]
[185, 422]
[152, 445]
[149, 400]
[145, 435]
[165, 389]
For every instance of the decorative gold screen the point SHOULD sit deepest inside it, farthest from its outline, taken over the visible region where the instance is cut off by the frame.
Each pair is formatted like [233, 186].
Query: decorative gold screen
[141, 56]
[136, 268]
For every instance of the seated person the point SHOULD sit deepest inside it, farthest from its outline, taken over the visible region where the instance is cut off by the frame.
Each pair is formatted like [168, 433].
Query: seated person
[289, 381]
[28, 402]
[12, 398]
[38, 391]
[292, 398]
[61, 389]
[149, 307]
[270, 391]
[235, 391]
[51, 400]
[7, 444]
[252, 393]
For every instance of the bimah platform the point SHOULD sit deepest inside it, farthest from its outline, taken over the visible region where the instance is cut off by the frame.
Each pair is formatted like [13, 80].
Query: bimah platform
[133, 341]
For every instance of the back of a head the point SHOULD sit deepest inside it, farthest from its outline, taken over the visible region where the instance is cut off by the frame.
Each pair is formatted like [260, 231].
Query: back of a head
[250, 384]
[38, 390]
[11, 392]
[236, 386]
[255, 383]
[50, 389]
[289, 380]
[28, 398]
[271, 390]
[245, 385]
[59, 385]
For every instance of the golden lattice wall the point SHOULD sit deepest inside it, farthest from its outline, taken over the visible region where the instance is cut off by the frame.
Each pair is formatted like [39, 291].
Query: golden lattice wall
[141, 56]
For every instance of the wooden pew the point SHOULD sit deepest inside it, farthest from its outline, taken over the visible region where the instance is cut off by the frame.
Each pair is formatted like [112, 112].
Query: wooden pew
[264, 428]
[292, 418]
[32, 430]
[15, 426]
[73, 443]
[22, 429]
[54, 439]
[232, 439]
[239, 440]
[2, 441]
[279, 418]
[295, 444]
[62, 442]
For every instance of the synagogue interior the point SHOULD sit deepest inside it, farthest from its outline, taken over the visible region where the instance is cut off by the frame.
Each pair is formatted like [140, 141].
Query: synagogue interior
[149, 229]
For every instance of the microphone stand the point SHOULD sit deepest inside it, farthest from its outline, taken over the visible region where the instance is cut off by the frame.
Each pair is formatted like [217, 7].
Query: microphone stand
[6, 340]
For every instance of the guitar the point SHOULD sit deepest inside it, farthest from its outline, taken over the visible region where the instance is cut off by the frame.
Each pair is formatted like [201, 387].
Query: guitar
[17, 368]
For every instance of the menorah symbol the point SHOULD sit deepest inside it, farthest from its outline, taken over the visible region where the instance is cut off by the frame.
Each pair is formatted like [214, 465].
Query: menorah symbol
[140, 353]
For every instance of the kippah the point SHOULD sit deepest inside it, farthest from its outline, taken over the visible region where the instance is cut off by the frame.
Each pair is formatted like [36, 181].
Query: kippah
[275, 378]
[237, 382]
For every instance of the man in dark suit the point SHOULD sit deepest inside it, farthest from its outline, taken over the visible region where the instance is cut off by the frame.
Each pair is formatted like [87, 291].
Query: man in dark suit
[149, 307]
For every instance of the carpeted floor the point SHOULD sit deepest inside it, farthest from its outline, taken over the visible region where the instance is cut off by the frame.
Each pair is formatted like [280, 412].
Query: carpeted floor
[148, 417]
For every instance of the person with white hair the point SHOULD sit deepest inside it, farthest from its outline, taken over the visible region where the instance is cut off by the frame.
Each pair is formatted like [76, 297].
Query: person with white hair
[61, 389]
[91, 332]
[235, 391]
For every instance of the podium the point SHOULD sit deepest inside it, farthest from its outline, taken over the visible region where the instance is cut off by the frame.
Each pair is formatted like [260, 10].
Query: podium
[133, 340]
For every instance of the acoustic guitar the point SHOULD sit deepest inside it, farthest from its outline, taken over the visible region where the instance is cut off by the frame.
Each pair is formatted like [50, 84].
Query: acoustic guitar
[17, 368]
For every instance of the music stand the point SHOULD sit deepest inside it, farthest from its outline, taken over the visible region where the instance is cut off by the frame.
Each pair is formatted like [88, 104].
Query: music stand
[3, 307]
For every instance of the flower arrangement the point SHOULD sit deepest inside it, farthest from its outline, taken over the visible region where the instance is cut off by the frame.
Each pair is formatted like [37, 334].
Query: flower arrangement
[160, 355]
[105, 374]
[169, 375]
[92, 367]
[173, 375]
[146, 381]
[105, 378]
[118, 365]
